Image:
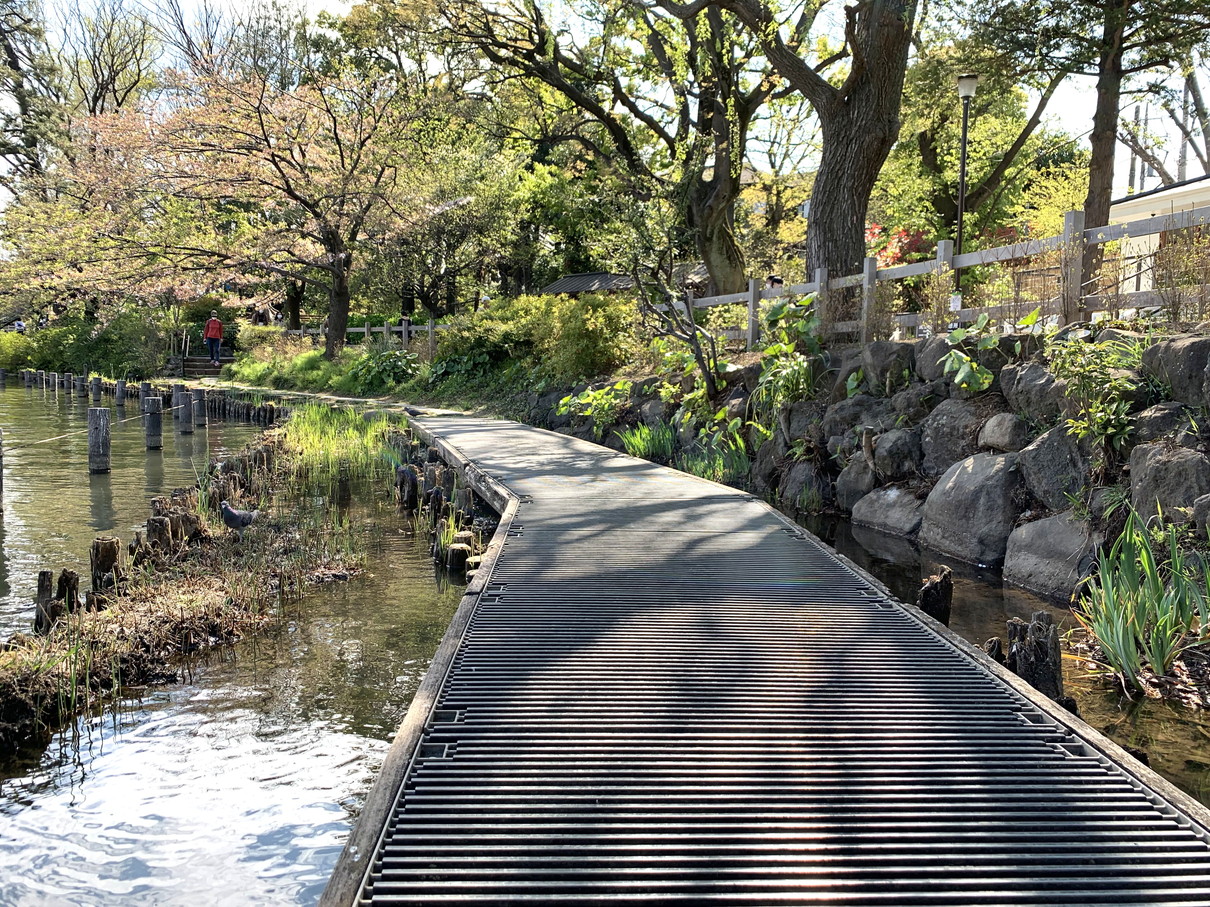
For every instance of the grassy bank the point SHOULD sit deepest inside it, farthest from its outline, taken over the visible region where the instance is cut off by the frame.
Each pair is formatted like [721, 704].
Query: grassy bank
[175, 600]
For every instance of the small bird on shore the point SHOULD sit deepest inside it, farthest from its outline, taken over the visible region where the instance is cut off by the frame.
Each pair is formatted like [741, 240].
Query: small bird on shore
[239, 520]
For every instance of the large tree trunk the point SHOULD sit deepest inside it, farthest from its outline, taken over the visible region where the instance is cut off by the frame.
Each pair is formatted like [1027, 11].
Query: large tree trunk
[860, 123]
[338, 305]
[711, 215]
[1104, 135]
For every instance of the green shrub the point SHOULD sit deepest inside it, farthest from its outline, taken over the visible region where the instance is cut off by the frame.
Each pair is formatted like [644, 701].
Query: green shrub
[15, 350]
[377, 371]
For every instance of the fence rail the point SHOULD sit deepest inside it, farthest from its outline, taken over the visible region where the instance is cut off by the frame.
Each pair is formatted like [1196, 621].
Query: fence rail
[1069, 304]
[406, 330]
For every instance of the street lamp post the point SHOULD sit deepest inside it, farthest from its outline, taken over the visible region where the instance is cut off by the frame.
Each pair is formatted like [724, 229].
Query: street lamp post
[966, 92]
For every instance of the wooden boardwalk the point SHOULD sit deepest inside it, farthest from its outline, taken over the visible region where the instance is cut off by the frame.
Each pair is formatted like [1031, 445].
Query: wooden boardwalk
[658, 690]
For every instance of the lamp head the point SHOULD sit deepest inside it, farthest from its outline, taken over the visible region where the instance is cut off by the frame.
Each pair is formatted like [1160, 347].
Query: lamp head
[966, 86]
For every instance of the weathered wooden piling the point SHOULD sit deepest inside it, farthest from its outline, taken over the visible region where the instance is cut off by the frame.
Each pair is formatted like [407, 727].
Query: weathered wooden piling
[66, 381]
[3, 375]
[153, 423]
[105, 562]
[52, 381]
[44, 604]
[199, 407]
[1, 470]
[29, 377]
[68, 591]
[82, 386]
[159, 532]
[41, 378]
[144, 394]
[1033, 653]
[119, 392]
[185, 405]
[98, 439]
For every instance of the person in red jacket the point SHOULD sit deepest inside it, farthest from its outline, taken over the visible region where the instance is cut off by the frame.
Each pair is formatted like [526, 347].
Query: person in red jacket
[214, 336]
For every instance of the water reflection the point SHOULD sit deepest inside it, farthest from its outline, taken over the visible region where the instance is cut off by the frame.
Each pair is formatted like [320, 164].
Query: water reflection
[53, 507]
[238, 787]
[1176, 739]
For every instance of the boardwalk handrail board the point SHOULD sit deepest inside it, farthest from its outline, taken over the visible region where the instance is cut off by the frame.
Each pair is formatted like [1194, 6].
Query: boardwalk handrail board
[660, 689]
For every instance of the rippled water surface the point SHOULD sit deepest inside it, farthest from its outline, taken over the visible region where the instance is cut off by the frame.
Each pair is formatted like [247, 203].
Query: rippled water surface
[53, 507]
[239, 785]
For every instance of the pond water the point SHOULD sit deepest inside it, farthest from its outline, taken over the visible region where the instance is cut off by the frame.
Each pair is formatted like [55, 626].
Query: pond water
[1175, 738]
[54, 508]
[240, 785]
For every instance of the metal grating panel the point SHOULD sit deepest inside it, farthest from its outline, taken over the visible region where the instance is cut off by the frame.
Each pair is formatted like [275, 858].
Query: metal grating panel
[666, 697]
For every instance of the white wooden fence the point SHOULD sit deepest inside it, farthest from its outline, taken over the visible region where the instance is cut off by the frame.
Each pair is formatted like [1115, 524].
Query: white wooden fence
[405, 330]
[1071, 304]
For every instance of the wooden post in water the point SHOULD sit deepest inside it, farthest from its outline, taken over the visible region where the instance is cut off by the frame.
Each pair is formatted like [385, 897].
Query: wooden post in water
[29, 377]
[185, 402]
[199, 407]
[98, 439]
[175, 406]
[96, 389]
[82, 386]
[3, 375]
[44, 604]
[41, 378]
[153, 423]
[1, 470]
[144, 395]
[119, 392]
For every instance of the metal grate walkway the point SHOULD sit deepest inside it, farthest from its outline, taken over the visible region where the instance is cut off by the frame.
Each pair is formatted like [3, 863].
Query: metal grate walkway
[667, 694]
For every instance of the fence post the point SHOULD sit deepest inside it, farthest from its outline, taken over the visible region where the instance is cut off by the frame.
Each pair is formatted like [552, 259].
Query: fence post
[753, 313]
[869, 283]
[823, 304]
[199, 407]
[405, 328]
[1073, 266]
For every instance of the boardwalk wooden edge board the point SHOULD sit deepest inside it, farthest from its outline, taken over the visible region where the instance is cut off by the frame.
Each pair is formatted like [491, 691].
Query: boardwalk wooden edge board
[356, 859]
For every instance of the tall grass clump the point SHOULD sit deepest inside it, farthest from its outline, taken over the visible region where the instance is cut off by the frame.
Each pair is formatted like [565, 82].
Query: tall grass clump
[650, 442]
[1147, 603]
[322, 440]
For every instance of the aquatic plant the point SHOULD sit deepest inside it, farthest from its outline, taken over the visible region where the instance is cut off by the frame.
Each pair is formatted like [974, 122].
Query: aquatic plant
[1148, 601]
[324, 439]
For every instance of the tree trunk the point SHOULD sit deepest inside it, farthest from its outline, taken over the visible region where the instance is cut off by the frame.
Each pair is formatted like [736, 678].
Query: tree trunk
[711, 215]
[859, 128]
[294, 296]
[1104, 136]
[338, 305]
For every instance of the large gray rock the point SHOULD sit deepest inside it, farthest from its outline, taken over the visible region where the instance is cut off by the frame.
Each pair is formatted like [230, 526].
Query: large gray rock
[1004, 432]
[860, 410]
[929, 355]
[736, 403]
[1161, 421]
[1164, 478]
[971, 510]
[803, 419]
[655, 411]
[897, 454]
[854, 482]
[915, 402]
[804, 487]
[1032, 391]
[949, 434]
[887, 365]
[846, 363]
[1049, 556]
[1054, 469]
[1181, 364]
[891, 510]
[764, 472]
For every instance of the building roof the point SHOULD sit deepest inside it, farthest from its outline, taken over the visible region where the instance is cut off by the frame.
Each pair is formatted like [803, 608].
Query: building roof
[1190, 193]
[595, 282]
